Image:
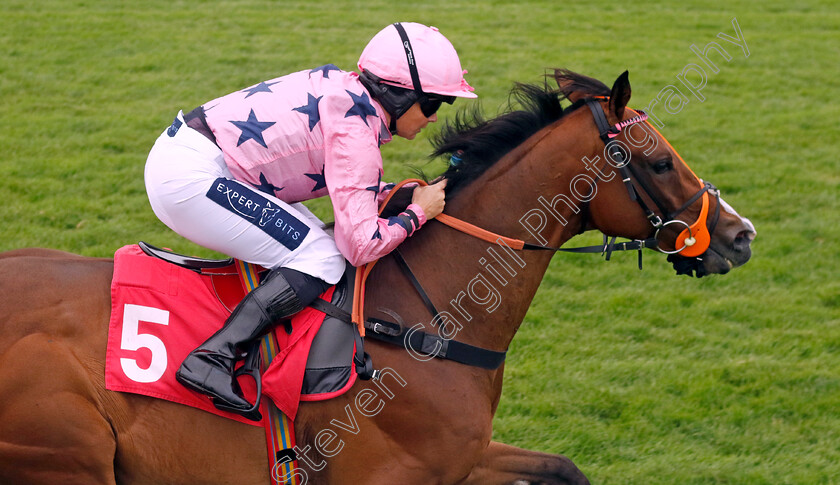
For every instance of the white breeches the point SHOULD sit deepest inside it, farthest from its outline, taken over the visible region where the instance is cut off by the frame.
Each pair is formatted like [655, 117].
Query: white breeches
[193, 193]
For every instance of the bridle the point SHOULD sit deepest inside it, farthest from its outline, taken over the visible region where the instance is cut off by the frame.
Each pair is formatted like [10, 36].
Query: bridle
[692, 242]
[695, 238]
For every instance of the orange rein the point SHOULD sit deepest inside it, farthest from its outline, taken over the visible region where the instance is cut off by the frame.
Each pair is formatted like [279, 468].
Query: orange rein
[692, 241]
[457, 224]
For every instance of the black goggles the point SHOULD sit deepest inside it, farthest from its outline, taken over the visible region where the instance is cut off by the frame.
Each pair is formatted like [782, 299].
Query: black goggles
[430, 104]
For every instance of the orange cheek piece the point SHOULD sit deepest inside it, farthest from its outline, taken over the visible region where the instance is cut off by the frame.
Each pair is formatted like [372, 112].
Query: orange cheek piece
[695, 240]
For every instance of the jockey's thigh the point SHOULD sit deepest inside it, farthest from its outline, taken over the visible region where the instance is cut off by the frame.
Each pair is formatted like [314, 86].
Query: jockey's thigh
[192, 191]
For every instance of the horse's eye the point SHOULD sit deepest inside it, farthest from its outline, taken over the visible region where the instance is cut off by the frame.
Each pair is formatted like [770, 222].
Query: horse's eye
[663, 166]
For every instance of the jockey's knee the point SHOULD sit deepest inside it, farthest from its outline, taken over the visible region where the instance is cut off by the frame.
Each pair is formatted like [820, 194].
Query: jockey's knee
[305, 286]
[334, 267]
[328, 266]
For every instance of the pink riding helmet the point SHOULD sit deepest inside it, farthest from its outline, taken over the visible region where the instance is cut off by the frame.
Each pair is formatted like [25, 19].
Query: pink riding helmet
[437, 63]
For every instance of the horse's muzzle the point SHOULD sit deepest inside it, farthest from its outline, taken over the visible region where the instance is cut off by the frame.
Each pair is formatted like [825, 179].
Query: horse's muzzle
[729, 249]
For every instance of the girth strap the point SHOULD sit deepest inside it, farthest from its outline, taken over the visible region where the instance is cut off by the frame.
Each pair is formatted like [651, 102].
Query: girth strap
[330, 309]
[418, 341]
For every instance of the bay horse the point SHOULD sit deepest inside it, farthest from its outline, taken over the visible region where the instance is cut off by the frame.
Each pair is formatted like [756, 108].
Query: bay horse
[538, 174]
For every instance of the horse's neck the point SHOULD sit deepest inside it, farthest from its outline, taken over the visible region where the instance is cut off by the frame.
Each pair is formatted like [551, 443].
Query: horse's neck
[493, 286]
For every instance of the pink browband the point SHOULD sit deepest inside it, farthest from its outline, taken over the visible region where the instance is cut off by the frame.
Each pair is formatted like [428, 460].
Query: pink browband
[624, 124]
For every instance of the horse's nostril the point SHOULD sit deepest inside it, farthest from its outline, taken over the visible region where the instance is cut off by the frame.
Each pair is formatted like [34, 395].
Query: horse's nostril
[743, 239]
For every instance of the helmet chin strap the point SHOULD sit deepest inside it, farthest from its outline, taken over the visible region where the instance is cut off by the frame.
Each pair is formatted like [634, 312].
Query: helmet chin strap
[394, 100]
[392, 126]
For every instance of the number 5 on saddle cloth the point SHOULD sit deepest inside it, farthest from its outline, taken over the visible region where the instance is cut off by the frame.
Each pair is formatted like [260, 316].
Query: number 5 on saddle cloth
[164, 305]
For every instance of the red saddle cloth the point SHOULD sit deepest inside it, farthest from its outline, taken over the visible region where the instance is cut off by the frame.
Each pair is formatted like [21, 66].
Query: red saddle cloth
[160, 312]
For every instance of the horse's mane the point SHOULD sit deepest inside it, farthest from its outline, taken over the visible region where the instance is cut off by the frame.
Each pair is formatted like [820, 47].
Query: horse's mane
[479, 143]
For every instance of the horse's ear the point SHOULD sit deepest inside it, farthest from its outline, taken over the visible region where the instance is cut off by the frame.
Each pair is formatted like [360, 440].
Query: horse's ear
[620, 95]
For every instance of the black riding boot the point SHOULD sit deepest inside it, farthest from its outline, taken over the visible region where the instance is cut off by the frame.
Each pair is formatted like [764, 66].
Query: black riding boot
[209, 368]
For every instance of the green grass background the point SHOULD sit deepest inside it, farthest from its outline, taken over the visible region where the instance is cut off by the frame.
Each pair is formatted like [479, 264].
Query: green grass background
[639, 377]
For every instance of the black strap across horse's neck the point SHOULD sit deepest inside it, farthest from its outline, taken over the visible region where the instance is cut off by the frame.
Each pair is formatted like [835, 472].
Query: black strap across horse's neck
[403, 264]
[413, 339]
[434, 345]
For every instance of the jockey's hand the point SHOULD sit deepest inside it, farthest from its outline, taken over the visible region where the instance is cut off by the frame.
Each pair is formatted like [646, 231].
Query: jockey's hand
[430, 198]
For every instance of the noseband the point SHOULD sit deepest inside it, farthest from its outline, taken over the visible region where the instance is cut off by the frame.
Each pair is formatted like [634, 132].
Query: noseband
[695, 238]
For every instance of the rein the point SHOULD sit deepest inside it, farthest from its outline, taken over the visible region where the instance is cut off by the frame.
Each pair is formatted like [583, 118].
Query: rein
[692, 241]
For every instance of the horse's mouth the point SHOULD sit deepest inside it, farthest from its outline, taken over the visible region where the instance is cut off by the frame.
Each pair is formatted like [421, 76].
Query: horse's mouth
[731, 264]
[713, 261]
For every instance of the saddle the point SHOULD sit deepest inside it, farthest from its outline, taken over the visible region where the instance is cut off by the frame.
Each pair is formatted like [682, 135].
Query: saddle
[343, 325]
[324, 369]
[322, 349]
[328, 372]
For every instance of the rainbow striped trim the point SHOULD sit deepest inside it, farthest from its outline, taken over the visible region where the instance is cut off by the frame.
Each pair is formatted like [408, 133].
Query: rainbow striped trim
[279, 429]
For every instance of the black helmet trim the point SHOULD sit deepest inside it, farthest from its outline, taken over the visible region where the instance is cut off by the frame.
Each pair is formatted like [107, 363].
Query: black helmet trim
[395, 100]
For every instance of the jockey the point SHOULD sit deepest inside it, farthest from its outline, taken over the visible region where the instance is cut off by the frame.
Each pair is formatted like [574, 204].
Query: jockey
[230, 176]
